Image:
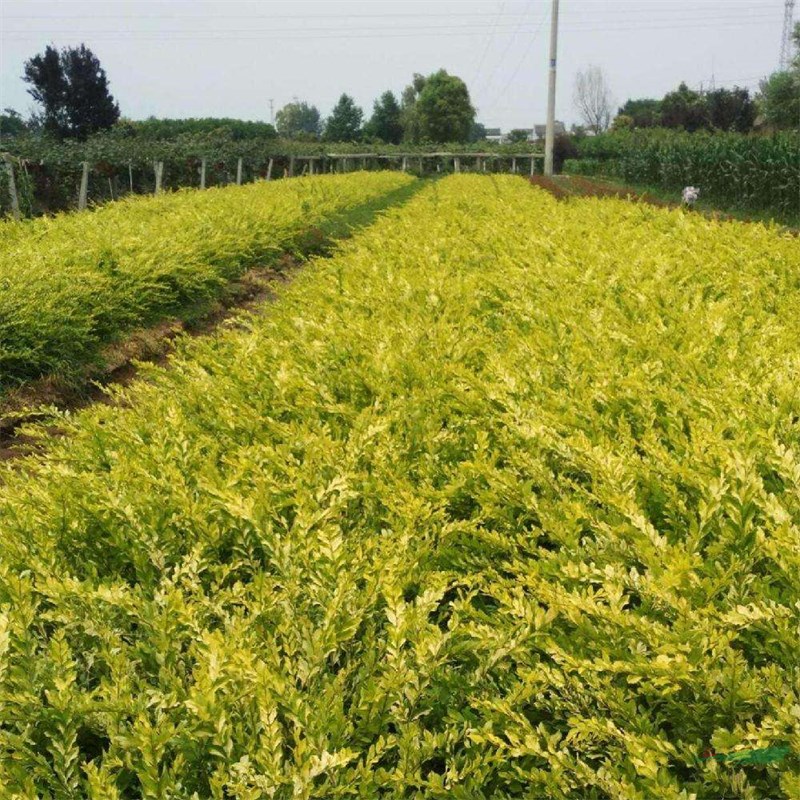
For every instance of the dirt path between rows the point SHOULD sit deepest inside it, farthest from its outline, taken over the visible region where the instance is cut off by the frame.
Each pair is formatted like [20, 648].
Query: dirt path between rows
[34, 400]
[152, 345]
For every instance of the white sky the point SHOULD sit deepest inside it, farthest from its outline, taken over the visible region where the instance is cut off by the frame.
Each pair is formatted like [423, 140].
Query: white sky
[180, 58]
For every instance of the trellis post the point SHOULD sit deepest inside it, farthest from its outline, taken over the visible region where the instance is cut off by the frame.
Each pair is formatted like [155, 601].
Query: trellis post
[269, 169]
[84, 190]
[291, 166]
[203, 173]
[239, 172]
[12, 188]
[158, 167]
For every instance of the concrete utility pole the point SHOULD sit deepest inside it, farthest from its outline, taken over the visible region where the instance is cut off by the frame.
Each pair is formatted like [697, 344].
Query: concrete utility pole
[549, 136]
[271, 111]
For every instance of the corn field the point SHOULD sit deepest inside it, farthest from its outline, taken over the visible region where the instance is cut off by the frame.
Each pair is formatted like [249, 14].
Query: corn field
[756, 172]
[499, 501]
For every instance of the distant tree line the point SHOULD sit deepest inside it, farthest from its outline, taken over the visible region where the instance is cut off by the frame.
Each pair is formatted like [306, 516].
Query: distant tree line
[776, 105]
[72, 92]
[433, 108]
[235, 129]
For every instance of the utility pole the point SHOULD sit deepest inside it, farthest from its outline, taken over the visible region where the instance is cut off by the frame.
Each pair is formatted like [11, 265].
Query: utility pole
[549, 136]
[271, 111]
[786, 39]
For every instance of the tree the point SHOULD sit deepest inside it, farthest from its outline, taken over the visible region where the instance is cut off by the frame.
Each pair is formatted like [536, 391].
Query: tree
[437, 109]
[731, 109]
[779, 97]
[518, 135]
[385, 123]
[408, 109]
[643, 113]
[780, 100]
[298, 118]
[478, 132]
[11, 123]
[344, 123]
[592, 98]
[684, 108]
[72, 89]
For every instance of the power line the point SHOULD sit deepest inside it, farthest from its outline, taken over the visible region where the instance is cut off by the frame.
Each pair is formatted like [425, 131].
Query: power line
[487, 82]
[378, 34]
[512, 18]
[525, 53]
[489, 40]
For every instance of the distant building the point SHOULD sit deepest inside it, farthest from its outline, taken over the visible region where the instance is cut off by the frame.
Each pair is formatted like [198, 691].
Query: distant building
[539, 131]
[494, 135]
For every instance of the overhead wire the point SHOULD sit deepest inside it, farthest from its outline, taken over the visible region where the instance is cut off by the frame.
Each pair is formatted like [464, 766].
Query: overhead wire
[397, 32]
[489, 40]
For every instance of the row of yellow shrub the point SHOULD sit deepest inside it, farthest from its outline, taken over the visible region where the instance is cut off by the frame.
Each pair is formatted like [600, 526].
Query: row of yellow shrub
[72, 283]
[501, 501]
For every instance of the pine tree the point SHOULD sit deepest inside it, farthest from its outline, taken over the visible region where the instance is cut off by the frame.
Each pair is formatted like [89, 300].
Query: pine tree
[385, 123]
[344, 123]
[72, 89]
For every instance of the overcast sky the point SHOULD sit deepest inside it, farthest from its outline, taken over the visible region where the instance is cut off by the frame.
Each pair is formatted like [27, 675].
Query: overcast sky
[180, 58]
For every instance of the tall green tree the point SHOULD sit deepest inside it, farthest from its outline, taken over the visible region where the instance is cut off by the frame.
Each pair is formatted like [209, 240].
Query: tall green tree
[344, 123]
[478, 132]
[643, 113]
[437, 108]
[684, 108]
[298, 119]
[72, 89]
[731, 109]
[408, 109]
[517, 135]
[385, 123]
[11, 123]
[779, 97]
[780, 100]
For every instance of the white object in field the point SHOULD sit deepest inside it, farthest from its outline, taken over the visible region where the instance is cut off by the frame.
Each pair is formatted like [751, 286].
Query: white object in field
[690, 195]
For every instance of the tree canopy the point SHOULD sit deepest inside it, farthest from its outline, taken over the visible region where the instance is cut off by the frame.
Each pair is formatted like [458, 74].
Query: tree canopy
[780, 93]
[643, 113]
[344, 123]
[72, 89]
[385, 123]
[11, 123]
[437, 108]
[298, 118]
[684, 108]
[731, 109]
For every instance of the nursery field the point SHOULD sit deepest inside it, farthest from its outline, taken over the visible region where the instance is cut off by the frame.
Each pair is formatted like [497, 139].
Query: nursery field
[499, 501]
[70, 284]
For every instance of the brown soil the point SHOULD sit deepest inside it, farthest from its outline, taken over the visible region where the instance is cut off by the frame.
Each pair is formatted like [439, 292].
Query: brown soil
[153, 345]
[563, 186]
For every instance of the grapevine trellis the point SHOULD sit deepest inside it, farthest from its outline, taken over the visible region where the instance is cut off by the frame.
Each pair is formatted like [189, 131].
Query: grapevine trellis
[293, 165]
